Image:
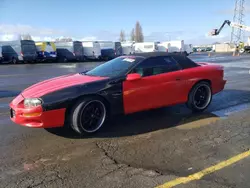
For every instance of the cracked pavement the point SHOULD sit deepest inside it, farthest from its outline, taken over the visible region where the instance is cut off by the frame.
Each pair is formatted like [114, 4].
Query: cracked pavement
[142, 150]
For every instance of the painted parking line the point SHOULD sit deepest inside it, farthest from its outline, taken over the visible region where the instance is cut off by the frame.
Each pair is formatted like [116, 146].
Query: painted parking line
[209, 170]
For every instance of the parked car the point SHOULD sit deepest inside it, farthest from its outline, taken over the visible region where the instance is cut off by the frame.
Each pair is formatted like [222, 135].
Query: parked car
[247, 49]
[208, 49]
[123, 85]
[69, 51]
[46, 51]
[91, 49]
[19, 51]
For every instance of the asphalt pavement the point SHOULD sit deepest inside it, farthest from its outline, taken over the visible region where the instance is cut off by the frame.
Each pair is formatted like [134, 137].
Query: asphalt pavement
[168, 147]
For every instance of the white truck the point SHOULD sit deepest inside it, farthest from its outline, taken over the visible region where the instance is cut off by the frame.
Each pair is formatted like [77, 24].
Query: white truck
[141, 47]
[164, 46]
[91, 49]
[175, 46]
[188, 48]
[128, 48]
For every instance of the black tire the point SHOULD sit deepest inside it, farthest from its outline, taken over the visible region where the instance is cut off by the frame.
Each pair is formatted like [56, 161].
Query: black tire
[79, 111]
[185, 53]
[84, 59]
[65, 60]
[203, 88]
[14, 61]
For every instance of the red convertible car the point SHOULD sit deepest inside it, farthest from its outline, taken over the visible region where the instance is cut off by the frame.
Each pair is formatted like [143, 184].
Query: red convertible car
[124, 85]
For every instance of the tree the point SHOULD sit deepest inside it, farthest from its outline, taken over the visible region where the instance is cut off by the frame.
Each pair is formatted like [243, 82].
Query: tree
[132, 35]
[122, 36]
[138, 32]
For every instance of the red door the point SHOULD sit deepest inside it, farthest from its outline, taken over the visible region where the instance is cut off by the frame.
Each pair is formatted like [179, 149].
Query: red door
[152, 92]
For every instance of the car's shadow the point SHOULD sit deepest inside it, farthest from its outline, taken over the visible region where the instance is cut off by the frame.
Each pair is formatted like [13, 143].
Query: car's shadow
[153, 120]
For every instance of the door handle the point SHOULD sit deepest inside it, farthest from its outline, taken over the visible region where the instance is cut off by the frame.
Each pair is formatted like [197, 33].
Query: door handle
[178, 79]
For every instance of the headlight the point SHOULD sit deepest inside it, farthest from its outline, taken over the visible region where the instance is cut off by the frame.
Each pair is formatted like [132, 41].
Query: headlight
[32, 102]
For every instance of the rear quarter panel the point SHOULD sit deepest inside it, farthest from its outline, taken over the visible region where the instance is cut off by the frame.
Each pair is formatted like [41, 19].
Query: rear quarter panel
[212, 72]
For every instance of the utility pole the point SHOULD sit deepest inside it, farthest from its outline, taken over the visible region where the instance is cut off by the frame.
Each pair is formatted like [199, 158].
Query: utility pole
[237, 34]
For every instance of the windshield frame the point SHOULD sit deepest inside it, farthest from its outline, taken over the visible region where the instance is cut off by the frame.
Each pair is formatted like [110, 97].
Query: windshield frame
[122, 73]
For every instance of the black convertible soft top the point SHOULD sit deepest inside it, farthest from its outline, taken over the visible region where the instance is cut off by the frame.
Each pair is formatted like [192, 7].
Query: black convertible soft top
[180, 57]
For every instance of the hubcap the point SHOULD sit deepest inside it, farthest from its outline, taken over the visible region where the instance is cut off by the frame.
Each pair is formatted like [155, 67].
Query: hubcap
[92, 116]
[202, 97]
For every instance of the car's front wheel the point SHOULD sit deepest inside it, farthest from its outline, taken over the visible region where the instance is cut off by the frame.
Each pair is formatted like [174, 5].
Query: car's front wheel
[200, 97]
[88, 115]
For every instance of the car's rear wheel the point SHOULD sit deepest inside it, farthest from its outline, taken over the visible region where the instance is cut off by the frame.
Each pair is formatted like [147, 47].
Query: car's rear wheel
[65, 60]
[200, 97]
[13, 61]
[88, 115]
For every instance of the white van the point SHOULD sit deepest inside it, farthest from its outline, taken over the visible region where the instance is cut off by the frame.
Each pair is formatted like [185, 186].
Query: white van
[145, 47]
[163, 47]
[188, 48]
[91, 49]
[107, 45]
[174, 46]
[128, 48]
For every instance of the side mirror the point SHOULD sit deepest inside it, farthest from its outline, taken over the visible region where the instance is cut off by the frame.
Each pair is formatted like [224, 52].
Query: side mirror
[133, 76]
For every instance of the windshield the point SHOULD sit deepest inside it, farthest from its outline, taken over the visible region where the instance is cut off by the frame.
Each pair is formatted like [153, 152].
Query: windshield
[114, 67]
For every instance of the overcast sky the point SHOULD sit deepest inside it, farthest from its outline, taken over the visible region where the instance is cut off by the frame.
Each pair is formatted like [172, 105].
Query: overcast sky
[161, 20]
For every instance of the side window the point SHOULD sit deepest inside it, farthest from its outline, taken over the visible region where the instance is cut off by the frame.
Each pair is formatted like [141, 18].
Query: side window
[156, 65]
[145, 67]
[172, 65]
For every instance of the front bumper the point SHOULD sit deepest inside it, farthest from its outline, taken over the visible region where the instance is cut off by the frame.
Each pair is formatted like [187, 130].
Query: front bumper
[35, 116]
